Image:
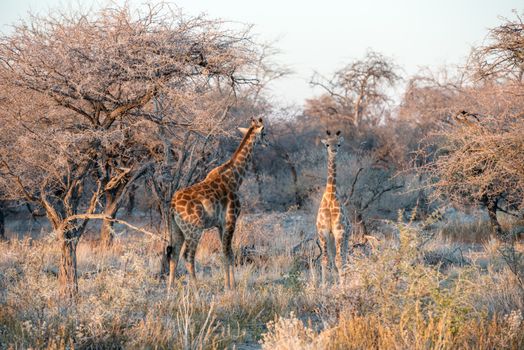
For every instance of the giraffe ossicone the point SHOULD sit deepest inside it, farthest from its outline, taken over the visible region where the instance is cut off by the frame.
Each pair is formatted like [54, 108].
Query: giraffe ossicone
[213, 202]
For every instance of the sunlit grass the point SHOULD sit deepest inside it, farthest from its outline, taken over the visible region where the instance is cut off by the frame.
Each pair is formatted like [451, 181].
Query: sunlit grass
[394, 298]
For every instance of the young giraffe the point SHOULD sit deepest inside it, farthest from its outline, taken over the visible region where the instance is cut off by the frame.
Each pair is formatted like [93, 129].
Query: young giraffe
[213, 202]
[333, 226]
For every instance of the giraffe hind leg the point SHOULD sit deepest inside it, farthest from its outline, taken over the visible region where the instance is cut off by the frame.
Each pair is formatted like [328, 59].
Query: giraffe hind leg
[228, 257]
[189, 256]
[173, 252]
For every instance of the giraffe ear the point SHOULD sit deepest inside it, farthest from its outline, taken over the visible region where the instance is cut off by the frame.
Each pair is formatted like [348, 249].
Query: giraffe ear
[243, 130]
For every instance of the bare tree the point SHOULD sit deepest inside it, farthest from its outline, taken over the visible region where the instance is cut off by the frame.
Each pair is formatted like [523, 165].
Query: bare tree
[362, 196]
[357, 93]
[503, 54]
[48, 164]
[144, 53]
[78, 101]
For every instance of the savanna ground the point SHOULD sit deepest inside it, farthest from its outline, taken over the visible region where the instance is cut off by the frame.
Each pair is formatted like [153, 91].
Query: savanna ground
[415, 289]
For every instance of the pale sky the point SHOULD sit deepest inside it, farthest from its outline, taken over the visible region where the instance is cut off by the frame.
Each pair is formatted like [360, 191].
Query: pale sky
[324, 35]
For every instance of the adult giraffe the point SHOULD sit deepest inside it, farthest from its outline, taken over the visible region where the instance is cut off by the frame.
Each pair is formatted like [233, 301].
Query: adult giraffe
[213, 202]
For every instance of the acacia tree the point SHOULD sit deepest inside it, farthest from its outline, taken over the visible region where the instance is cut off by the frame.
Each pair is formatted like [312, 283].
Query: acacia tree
[429, 102]
[502, 57]
[357, 93]
[469, 138]
[476, 151]
[78, 96]
[479, 161]
[143, 54]
[106, 67]
[48, 162]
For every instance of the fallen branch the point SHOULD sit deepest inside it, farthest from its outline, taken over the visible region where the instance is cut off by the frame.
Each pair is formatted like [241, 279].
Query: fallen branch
[118, 221]
[136, 228]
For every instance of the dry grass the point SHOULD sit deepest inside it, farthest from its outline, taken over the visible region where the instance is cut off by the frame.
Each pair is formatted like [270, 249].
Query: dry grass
[477, 229]
[391, 299]
[394, 300]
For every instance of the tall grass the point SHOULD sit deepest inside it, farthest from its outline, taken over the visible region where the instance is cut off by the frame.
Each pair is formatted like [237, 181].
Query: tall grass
[394, 298]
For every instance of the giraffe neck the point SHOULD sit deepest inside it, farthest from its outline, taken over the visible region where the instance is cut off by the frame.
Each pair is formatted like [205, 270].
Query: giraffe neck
[331, 186]
[242, 157]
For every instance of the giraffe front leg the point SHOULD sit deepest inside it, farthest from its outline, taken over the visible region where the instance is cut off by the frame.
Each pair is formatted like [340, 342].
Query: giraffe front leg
[341, 246]
[325, 256]
[231, 272]
[228, 256]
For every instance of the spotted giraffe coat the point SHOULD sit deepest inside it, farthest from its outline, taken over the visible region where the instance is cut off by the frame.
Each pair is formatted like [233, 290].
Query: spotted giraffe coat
[213, 202]
[333, 226]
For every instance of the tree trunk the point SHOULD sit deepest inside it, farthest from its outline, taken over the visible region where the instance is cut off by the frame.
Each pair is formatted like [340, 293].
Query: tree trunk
[2, 223]
[422, 202]
[106, 232]
[363, 231]
[131, 199]
[168, 225]
[298, 199]
[357, 112]
[115, 190]
[294, 177]
[67, 273]
[165, 254]
[164, 262]
[491, 205]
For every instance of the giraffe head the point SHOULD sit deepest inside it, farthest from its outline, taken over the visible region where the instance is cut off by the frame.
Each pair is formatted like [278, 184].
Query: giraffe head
[332, 142]
[258, 129]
